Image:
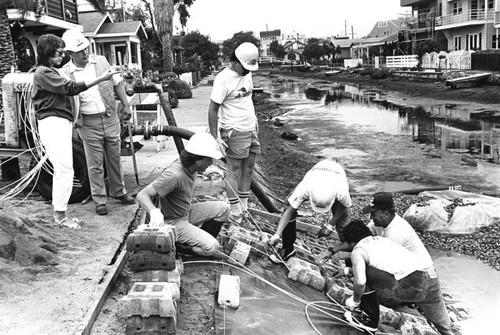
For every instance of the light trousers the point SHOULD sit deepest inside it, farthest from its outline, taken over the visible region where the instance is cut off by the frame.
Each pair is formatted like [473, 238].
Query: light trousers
[56, 136]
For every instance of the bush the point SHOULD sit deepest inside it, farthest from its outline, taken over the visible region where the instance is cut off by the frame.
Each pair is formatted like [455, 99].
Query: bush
[379, 74]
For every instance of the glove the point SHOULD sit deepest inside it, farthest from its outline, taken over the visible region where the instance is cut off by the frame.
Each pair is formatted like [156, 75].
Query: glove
[351, 304]
[273, 240]
[324, 232]
[156, 218]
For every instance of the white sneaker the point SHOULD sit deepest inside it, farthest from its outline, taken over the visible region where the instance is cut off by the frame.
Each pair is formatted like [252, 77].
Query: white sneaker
[277, 259]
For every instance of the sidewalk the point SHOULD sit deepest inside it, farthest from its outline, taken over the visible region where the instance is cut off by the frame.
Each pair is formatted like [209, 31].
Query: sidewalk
[191, 114]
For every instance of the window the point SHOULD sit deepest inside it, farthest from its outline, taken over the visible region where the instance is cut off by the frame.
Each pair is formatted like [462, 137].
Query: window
[457, 8]
[494, 40]
[473, 42]
[383, 24]
[490, 4]
[457, 43]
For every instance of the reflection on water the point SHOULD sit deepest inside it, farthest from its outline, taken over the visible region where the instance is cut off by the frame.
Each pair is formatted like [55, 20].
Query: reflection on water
[447, 127]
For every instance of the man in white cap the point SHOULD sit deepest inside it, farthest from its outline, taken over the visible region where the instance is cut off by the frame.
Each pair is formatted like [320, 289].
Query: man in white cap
[97, 119]
[197, 225]
[325, 186]
[232, 121]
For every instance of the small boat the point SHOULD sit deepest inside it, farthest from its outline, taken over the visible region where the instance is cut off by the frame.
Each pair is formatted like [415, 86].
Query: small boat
[331, 73]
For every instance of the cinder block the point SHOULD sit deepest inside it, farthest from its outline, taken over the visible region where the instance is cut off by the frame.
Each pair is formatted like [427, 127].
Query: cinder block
[243, 235]
[153, 325]
[149, 299]
[151, 260]
[337, 291]
[239, 254]
[306, 273]
[389, 317]
[229, 291]
[160, 239]
[173, 276]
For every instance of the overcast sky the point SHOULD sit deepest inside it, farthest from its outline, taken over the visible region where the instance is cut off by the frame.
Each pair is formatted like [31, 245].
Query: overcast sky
[315, 18]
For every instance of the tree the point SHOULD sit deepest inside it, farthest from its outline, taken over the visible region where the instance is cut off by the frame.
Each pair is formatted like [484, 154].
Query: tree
[277, 49]
[164, 11]
[338, 50]
[229, 45]
[195, 43]
[329, 49]
[313, 51]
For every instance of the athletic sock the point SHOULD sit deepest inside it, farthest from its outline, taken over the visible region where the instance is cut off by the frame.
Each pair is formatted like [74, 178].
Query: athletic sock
[244, 199]
[234, 206]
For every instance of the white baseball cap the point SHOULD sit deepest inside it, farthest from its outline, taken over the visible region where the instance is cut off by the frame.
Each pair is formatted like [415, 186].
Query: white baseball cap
[248, 55]
[322, 194]
[203, 144]
[74, 40]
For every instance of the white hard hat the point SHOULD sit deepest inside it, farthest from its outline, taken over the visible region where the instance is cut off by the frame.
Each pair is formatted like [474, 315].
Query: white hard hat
[74, 40]
[248, 55]
[203, 144]
[322, 195]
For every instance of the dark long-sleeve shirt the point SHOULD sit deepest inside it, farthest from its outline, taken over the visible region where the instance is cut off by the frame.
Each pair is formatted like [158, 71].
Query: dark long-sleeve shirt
[51, 91]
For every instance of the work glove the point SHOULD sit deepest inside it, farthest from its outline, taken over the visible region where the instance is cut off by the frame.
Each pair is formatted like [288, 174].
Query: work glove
[324, 232]
[213, 170]
[351, 304]
[273, 240]
[156, 218]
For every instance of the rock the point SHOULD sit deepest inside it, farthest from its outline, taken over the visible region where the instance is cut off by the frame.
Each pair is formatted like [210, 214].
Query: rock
[286, 135]
[278, 123]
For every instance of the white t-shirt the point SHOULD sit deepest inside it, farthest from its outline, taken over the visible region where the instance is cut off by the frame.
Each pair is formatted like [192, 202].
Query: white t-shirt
[402, 233]
[390, 257]
[234, 94]
[326, 172]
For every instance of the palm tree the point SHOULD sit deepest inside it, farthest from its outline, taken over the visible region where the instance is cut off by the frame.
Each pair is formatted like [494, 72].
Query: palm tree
[164, 11]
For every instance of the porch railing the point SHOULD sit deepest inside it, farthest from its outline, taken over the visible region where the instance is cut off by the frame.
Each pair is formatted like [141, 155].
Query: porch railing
[464, 17]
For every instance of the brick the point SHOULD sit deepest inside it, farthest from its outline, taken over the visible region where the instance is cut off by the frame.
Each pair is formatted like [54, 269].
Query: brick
[153, 325]
[229, 291]
[160, 239]
[151, 260]
[239, 254]
[149, 299]
[306, 273]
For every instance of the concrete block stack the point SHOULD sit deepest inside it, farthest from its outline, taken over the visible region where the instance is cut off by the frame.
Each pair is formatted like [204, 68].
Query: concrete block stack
[257, 241]
[151, 304]
[305, 272]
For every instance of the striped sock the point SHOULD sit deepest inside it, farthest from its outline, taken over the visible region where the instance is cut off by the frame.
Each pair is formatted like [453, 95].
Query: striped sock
[244, 199]
[234, 206]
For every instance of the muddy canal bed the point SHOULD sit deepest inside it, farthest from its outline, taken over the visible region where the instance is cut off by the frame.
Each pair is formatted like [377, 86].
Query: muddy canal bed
[388, 143]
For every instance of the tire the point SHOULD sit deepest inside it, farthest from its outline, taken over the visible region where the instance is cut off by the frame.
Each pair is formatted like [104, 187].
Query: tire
[81, 183]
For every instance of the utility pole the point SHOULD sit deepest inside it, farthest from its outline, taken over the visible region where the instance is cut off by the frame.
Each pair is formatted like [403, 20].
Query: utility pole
[345, 27]
[352, 32]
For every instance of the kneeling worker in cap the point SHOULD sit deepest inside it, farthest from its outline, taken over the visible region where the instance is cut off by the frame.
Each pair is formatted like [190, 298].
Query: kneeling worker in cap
[198, 224]
[325, 186]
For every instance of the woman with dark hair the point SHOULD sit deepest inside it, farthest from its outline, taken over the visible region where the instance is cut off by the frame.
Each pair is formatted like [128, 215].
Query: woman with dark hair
[55, 120]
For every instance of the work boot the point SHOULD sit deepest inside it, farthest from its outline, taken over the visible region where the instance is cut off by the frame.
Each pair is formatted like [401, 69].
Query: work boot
[212, 227]
[126, 199]
[181, 248]
[101, 209]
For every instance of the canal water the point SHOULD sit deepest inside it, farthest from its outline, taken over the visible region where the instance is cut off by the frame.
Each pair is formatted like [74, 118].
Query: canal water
[391, 147]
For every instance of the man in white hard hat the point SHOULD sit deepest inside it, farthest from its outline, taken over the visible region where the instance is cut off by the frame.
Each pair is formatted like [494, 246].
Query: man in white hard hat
[325, 186]
[197, 225]
[97, 120]
[232, 121]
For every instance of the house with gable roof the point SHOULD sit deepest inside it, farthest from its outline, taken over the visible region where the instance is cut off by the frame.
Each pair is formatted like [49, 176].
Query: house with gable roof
[119, 42]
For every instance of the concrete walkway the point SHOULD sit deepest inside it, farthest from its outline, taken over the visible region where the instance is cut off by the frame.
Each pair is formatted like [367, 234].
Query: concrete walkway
[467, 280]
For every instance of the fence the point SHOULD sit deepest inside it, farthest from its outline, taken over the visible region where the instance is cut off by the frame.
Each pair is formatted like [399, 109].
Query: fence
[455, 60]
[486, 61]
[402, 61]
